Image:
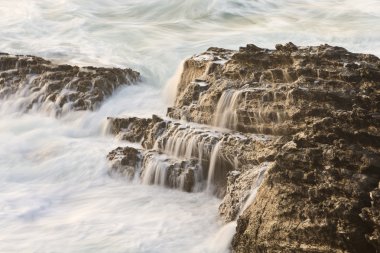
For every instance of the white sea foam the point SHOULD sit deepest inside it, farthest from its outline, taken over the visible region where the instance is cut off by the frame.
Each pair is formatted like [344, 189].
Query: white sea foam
[55, 194]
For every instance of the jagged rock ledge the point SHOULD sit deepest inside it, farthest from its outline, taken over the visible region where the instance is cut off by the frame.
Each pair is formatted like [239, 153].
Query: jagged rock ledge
[320, 106]
[192, 149]
[275, 91]
[59, 87]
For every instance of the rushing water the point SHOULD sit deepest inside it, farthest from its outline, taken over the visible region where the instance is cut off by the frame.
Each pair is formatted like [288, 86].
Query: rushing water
[55, 194]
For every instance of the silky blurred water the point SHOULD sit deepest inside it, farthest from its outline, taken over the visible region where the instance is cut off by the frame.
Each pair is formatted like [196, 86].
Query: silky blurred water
[55, 194]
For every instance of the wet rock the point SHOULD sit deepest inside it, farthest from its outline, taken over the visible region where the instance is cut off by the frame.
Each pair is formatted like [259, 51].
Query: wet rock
[321, 193]
[311, 201]
[59, 87]
[153, 167]
[193, 143]
[239, 191]
[309, 112]
[320, 101]
[163, 170]
[130, 129]
[275, 91]
[125, 161]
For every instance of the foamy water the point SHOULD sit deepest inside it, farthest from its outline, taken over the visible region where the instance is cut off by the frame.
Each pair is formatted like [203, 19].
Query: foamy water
[55, 194]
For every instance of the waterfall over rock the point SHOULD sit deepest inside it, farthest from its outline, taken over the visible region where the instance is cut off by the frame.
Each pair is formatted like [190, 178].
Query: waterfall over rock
[289, 138]
[209, 147]
[34, 83]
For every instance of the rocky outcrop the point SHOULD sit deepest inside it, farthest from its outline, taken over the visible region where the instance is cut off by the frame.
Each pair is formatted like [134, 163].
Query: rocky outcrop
[129, 129]
[155, 168]
[185, 151]
[274, 91]
[241, 190]
[304, 122]
[311, 201]
[125, 161]
[59, 87]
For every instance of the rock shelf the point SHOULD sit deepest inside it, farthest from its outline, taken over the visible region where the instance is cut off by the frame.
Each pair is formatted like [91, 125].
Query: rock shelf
[59, 88]
[307, 116]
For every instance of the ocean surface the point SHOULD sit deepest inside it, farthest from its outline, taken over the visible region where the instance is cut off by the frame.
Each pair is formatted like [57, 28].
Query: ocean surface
[55, 193]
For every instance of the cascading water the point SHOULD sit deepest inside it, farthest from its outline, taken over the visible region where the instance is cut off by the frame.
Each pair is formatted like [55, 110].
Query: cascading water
[211, 171]
[225, 115]
[186, 147]
[55, 193]
[263, 113]
[222, 240]
[187, 141]
[155, 172]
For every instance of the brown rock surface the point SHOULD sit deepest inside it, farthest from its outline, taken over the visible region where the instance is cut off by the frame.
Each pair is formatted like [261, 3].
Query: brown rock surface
[320, 106]
[60, 87]
[275, 91]
[125, 161]
[129, 129]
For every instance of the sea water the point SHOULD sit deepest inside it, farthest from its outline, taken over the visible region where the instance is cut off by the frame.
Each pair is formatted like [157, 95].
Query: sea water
[55, 193]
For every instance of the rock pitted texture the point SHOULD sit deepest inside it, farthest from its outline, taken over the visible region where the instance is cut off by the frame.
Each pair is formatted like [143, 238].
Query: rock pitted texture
[59, 87]
[319, 108]
[275, 91]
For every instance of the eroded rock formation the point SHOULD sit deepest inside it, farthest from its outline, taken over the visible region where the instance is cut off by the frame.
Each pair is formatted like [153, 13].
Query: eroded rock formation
[192, 148]
[306, 117]
[59, 87]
